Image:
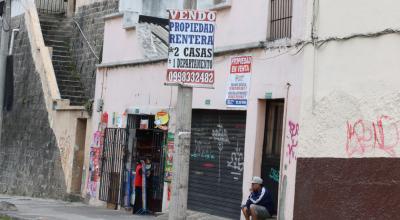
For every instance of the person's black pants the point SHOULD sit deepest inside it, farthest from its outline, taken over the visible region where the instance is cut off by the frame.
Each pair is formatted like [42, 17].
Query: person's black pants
[138, 199]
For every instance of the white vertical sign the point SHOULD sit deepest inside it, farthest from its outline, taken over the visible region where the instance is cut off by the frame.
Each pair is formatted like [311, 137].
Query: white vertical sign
[191, 48]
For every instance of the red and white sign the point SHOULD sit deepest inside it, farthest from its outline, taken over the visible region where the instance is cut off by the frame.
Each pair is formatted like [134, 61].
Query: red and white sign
[191, 48]
[239, 82]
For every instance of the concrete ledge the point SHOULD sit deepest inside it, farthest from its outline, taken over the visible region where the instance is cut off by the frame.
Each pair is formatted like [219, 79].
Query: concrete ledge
[219, 51]
[113, 15]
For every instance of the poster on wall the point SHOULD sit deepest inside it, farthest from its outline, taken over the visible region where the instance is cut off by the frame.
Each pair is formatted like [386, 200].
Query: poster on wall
[169, 156]
[238, 86]
[191, 48]
[94, 164]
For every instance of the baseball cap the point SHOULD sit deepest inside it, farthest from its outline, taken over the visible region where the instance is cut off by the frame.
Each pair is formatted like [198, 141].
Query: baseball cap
[257, 180]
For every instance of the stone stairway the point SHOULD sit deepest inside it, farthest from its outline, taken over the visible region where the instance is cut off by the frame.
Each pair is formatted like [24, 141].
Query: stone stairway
[57, 31]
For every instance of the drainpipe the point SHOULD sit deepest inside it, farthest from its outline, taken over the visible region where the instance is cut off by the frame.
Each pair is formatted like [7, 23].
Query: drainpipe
[12, 41]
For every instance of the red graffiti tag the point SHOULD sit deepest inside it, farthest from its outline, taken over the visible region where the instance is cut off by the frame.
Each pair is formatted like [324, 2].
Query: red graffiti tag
[294, 133]
[382, 134]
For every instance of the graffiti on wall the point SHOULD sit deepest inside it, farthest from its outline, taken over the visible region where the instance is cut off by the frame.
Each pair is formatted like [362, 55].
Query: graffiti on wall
[293, 140]
[202, 150]
[65, 145]
[236, 162]
[94, 163]
[220, 135]
[274, 175]
[382, 134]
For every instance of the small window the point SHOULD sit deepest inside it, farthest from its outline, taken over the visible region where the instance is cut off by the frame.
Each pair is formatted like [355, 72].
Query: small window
[280, 19]
[207, 4]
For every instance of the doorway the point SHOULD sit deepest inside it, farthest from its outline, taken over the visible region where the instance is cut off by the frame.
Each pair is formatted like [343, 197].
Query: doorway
[79, 154]
[272, 144]
[148, 142]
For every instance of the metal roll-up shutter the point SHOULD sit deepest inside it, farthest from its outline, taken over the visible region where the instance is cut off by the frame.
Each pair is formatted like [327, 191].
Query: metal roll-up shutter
[216, 162]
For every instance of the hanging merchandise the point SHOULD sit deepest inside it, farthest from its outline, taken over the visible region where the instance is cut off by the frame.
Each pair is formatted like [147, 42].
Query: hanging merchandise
[144, 124]
[113, 119]
[161, 120]
[169, 156]
[104, 118]
[119, 121]
[124, 119]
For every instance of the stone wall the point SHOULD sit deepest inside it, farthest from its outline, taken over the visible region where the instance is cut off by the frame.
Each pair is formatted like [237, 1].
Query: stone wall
[30, 162]
[90, 18]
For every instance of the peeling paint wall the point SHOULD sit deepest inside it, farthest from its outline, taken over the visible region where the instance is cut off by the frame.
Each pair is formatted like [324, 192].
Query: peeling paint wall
[350, 112]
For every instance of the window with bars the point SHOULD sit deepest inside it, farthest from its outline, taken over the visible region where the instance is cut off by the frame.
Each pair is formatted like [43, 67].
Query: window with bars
[280, 19]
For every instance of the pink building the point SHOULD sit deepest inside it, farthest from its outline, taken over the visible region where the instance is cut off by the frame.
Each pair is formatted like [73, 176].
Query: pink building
[322, 110]
[130, 83]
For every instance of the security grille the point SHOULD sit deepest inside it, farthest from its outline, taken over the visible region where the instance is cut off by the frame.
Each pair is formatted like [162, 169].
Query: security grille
[217, 162]
[51, 6]
[115, 146]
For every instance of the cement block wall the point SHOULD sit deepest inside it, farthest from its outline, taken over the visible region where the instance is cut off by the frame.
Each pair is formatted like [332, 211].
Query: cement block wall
[90, 18]
[30, 162]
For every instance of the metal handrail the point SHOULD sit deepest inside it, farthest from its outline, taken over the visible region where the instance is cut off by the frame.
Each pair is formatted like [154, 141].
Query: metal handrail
[87, 41]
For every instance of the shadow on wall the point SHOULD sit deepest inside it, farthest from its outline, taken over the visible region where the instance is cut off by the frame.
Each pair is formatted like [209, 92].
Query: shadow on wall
[30, 159]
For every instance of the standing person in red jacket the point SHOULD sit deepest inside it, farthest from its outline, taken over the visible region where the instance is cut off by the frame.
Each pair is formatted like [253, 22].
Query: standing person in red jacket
[138, 188]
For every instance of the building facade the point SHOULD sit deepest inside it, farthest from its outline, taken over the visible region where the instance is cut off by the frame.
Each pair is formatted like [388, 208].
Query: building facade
[323, 96]
[320, 125]
[229, 145]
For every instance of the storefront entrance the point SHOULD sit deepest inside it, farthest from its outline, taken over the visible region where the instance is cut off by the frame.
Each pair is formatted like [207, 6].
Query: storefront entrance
[122, 148]
[148, 142]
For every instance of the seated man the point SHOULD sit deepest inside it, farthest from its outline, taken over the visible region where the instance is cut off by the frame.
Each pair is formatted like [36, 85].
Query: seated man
[259, 205]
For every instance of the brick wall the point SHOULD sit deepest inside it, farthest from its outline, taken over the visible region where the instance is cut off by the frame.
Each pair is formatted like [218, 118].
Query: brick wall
[30, 161]
[90, 18]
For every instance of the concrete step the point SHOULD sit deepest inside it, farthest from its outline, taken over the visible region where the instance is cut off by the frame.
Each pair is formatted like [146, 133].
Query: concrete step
[66, 81]
[67, 73]
[75, 88]
[54, 42]
[61, 53]
[59, 28]
[56, 37]
[72, 93]
[68, 77]
[55, 22]
[58, 68]
[56, 32]
[52, 17]
[60, 57]
[61, 48]
[64, 63]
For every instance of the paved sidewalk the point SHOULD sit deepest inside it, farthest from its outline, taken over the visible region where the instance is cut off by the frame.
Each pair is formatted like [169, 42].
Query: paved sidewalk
[46, 209]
